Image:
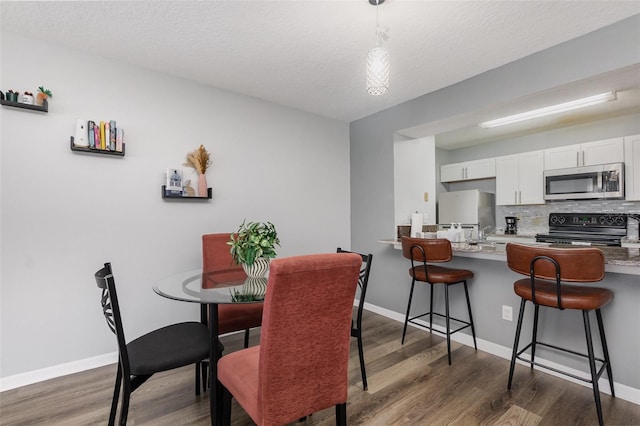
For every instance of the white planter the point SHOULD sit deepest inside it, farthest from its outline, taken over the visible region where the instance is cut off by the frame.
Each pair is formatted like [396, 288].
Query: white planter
[258, 269]
[26, 99]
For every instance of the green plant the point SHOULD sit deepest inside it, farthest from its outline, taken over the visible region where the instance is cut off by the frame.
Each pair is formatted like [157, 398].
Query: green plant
[47, 92]
[254, 240]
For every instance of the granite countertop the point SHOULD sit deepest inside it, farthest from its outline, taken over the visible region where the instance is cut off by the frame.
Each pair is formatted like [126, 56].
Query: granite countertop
[617, 259]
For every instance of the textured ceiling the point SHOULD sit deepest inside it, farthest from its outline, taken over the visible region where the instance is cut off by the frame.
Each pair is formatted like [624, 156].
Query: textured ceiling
[310, 55]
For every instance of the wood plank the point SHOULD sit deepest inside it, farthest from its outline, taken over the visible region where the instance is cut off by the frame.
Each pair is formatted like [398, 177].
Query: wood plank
[410, 384]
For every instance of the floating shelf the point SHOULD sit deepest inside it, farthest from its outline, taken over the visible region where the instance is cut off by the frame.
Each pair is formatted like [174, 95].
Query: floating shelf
[97, 151]
[42, 108]
[174, 197]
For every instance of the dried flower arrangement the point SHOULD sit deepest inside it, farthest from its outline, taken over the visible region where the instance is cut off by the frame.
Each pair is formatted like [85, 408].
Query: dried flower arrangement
[199, 159]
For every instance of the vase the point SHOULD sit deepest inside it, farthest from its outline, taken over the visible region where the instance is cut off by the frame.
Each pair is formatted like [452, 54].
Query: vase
[41, 97]
[258, 269]
[202, 186]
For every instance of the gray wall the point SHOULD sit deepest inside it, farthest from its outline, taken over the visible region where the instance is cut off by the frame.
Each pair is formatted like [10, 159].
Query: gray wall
[372, 138]
[64, 213]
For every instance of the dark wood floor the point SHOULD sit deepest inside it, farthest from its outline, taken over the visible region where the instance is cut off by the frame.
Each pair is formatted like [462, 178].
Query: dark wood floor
[408, 385]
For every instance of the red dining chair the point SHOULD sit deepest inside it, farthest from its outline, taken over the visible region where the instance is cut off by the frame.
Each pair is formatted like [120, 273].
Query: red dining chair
[216, 255]
[301, 364]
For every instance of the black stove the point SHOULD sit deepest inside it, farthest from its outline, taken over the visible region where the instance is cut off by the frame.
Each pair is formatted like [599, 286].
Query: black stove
[605, 229]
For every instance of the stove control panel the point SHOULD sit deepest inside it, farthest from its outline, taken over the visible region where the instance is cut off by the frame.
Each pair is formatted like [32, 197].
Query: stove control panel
[587, 220]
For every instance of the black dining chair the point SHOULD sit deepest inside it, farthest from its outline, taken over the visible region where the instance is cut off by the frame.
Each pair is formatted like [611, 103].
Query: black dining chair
[163, 349]
[356, 326]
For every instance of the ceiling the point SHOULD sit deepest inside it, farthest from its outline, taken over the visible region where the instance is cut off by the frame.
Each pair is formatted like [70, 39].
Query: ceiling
[310, 54]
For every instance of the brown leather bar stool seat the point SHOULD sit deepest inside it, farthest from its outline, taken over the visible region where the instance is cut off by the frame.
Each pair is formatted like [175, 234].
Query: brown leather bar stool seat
[548, 269]
[423, 253]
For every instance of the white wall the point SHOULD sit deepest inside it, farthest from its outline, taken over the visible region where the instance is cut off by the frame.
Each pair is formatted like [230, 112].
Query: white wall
[414, 173]
[63, 214]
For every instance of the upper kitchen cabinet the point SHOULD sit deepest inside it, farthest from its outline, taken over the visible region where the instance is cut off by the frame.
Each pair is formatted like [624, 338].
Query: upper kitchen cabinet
[585, 154]
[469, 170]
[632, 167]
[519, 179]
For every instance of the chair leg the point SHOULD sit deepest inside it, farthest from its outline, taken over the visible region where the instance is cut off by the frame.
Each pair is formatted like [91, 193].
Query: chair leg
[116, 396]
[226, 406]
[430, 308]
[592, 366]
[473, 330]
[246, 338]
[605, 349]
[341, 414]
[534, 337]
[406, 318]
[446, 307]
[516, 342]
[197, 378]
[126, 396]
[204, 376]
[361, 354]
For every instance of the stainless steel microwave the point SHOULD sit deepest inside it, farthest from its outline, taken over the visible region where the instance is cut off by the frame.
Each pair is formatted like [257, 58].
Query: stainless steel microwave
[583, 183]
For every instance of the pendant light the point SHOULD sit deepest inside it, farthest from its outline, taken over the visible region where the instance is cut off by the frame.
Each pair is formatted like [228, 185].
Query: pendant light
[378, 60]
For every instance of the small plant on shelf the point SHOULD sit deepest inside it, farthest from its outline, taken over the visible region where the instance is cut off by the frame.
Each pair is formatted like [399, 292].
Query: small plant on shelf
[252, 241]
[43, 94]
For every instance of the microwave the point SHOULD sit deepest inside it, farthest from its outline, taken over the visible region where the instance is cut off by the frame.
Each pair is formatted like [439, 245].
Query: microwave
[584, 183]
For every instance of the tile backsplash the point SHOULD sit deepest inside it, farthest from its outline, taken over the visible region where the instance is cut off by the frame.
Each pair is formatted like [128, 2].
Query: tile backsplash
[534, 219]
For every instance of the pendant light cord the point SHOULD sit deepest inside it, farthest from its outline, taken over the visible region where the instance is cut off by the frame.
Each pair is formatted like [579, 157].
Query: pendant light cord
[377, 23]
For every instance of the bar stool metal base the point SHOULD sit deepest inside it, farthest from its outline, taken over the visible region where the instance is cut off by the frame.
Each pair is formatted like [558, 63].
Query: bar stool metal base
[595, 374]
[448, 332]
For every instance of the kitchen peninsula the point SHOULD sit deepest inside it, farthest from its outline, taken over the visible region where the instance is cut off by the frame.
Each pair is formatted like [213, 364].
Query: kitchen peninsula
[617, 259]
[491, 291]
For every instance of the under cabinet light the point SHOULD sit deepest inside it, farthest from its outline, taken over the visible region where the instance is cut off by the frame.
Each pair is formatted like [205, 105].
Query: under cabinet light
[553, 109]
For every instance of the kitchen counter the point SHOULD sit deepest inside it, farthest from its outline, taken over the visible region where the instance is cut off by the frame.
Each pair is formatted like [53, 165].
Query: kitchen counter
[491, 290]
[617, 259]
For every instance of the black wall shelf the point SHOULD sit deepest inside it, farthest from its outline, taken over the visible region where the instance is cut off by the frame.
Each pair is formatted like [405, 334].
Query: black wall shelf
[173, 197]
[97, 151]
[42, 108]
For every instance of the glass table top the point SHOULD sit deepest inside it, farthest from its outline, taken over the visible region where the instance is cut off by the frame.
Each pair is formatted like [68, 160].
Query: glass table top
[219, 287]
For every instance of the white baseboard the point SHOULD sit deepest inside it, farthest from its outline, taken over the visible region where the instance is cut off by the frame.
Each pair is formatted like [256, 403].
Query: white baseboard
[622, 391]
[28, 378]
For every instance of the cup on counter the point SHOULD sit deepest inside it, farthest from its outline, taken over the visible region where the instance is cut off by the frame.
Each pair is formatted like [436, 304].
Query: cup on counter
[499, 231]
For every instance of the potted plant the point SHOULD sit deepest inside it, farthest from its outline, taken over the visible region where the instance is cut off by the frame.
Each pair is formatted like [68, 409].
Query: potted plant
[43, 94]
[12, 96]
[253, 245]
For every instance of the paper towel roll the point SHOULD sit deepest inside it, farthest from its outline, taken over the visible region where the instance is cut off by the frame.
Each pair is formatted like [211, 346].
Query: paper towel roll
[416, 224]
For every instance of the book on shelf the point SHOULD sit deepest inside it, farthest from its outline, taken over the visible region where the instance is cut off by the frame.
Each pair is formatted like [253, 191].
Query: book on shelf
[104, 135]
[92, 137]
[112, 135]
[102, 129]
[107, 136]
[119, 139]
[173, 185]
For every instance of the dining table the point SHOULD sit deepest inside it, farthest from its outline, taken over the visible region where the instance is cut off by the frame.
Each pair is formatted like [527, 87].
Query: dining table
[211, 289]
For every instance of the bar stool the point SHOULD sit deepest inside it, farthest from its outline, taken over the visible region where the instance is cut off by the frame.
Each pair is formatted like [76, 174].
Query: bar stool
[547, 268]
[420, 251]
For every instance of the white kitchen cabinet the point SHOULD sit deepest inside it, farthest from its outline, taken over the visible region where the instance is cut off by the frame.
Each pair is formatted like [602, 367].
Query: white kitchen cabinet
[519, 179]
[585, 154]
[469, 170]
[632, 167]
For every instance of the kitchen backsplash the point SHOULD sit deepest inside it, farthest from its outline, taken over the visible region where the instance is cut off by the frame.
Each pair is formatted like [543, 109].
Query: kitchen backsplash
[534, 219]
